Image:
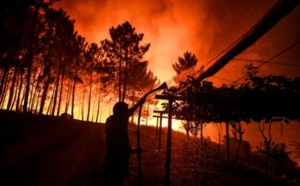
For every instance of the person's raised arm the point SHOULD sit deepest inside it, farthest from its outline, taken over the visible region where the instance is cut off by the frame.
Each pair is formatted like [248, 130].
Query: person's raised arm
[139, 103]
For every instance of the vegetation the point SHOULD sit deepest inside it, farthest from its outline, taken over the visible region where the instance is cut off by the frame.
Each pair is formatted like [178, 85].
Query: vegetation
[46, 67]
[187, 61]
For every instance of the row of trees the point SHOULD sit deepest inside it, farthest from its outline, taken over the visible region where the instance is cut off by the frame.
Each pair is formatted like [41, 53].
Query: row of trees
[46, 65]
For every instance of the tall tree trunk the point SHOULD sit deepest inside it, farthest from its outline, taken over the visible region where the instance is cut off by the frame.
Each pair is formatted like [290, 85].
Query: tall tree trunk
[68, 97]
[23, 98]
[37, 102]
[29, 61]
[125, 76]
[3, 81]
[51, 100]
[57, 87]
[4, 89]
[73, 92]
[28, 77]
[132, 102]
[201, 133]
[19, 92]
[120, 87]
[98, 107]
[227, 141]
[82, 106]
[15, 94]
[60, 92]
[93, 113]
[44, 94]
[267, 143]
[220, 130]
[12, 88]
[90, 97]
[34, 91]
[187, 129]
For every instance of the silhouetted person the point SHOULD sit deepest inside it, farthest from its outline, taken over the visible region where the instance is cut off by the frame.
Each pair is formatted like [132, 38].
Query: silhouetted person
[118, 148]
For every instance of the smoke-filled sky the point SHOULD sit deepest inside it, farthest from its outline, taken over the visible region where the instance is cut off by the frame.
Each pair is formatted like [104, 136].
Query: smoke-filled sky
[203, 27]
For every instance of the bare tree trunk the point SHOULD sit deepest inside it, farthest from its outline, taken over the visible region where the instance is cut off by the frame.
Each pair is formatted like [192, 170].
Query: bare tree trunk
[267, 142]
[219, 135]
[19, 93]
[82, 106]
[201, 133]
[4, 90]
[28, 77]
[98, 107]
[120, 87]
[3, 81]
[93, 113]
[56, 89]
[187, 129]
[15, 94]
[89, 98]
[34, 91]
[37, 101]
[227, 141]
[44, 94]
[240, 140]
[29, 61]
[23, 98]
[68, 97]
[60, 92]
[12, 88]
[51, 100]
[132, 102]
[147, 113]
[125, 77]
[73, 92]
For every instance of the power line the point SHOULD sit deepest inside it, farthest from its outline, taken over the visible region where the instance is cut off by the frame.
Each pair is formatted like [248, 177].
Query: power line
[276, 13]
[224, 50]
[268, 61]
[264, 61]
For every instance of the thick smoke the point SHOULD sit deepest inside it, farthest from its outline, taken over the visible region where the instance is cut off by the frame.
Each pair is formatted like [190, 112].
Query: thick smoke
[173, 27]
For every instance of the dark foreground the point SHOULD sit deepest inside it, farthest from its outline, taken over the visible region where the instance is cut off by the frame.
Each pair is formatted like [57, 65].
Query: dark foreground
[44, 150]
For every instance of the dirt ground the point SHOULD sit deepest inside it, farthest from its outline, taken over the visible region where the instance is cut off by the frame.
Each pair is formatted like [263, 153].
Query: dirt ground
[44, 150]
[50, 152]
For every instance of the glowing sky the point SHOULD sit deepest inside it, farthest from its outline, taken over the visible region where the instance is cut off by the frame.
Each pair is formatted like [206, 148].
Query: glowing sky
[203, 27]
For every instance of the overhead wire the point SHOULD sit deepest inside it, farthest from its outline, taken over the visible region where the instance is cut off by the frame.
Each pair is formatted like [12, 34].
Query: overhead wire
[270, 59]
[264, 61]
[277, 12]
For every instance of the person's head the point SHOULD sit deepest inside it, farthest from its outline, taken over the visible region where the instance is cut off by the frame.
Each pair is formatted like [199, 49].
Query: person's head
[120, 109]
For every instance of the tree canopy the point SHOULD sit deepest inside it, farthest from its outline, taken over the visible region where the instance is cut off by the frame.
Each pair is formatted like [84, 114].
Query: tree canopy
[187, 61]
[46, 67]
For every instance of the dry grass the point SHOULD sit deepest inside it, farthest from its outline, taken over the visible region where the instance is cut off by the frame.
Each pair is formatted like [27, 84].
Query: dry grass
[42, 150]
[191, 163]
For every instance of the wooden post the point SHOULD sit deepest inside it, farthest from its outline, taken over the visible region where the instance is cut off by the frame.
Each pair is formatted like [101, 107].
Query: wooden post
[156, 129]
[170, 99]
[227, 141]
[161, 112]
[160, 126]
[169, 138]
